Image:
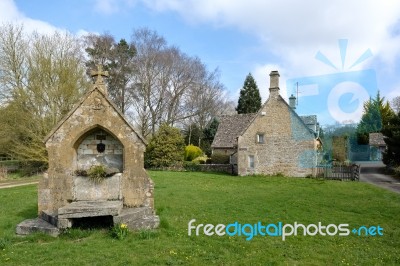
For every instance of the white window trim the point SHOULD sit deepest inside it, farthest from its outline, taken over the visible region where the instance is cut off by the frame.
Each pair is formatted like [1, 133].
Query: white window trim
[251, 160]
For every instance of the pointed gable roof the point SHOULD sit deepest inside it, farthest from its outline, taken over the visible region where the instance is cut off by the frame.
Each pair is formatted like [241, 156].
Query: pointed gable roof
[295, 115]
[79, 104]
[230, 128]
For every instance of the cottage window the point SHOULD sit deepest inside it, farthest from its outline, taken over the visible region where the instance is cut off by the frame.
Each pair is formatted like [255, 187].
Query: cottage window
[251, 161]
[260, 138]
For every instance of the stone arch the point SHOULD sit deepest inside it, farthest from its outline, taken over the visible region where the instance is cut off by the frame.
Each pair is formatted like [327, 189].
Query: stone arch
[87, 152]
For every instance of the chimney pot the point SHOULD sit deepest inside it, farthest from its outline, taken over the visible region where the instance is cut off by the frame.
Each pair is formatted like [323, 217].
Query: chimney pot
[292, 102]
[274, 84]
[274, 79]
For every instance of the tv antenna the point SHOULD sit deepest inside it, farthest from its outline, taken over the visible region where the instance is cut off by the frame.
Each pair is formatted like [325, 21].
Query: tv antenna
[297, 93]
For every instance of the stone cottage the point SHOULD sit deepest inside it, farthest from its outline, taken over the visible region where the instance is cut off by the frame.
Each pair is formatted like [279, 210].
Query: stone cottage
[94, 133]
[273, 140]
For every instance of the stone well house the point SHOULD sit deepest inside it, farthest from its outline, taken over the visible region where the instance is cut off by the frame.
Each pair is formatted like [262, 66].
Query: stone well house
[273, 140]
[94, 133]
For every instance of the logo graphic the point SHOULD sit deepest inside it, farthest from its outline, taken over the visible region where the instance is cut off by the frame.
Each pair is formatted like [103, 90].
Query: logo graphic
[279, 229]
[337, 97]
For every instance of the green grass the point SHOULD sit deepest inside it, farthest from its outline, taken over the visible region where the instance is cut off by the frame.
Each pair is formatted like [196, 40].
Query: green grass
[217, 198]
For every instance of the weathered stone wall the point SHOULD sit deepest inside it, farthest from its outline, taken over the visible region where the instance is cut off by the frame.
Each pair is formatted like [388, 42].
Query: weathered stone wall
[107, 189]
[224, 151]
[94, 112]
[288, 148]
[223, 168]
[88, 155]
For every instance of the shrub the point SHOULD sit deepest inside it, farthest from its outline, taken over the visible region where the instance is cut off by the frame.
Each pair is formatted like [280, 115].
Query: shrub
[192, 152]
[201, 159]
[165, 148]
[29, 168]
[218, 158]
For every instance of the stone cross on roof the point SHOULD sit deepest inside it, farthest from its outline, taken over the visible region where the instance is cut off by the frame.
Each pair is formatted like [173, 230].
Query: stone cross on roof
[99, 74]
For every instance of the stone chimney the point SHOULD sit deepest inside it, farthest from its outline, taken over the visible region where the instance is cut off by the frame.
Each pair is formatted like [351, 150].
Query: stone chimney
[292, 102]
[274, 84]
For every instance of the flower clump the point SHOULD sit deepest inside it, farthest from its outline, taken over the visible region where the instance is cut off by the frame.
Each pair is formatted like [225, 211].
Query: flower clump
[119, 231]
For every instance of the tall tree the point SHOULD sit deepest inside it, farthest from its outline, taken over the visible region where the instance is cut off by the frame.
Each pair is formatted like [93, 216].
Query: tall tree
[249, 99]
[117, 59]
[44, 76]
[150, 80]
[377, 113]
[391, 131]
[121, 72]
[172, 87]
[210, 131]
[208, 136]
[13, 59]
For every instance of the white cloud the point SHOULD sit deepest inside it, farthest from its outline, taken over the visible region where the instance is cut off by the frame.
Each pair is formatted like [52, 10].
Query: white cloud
[296, 30]
[395, 92]
[9, 13]
[261, 75]
[109, 7]
[106, 6]
[8, 10]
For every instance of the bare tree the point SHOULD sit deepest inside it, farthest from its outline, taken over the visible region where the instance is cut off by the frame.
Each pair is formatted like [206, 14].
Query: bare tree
[13, 72]
[396, 104]
[172, 87]
[150, 79]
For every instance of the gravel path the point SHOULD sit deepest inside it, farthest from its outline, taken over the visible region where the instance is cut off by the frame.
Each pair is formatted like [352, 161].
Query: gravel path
[18, 182]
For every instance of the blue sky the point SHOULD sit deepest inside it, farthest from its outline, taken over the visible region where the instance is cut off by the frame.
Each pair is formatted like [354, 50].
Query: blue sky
[255, 36]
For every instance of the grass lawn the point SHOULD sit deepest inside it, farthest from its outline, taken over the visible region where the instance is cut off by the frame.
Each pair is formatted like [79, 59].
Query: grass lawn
[216, 199]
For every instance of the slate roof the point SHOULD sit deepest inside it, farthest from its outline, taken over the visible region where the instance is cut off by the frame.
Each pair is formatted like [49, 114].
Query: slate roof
[309, 119]
[230, 128]
[311, 122]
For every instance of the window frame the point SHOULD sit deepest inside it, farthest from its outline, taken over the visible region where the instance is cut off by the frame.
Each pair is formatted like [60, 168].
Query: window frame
[260, 136]
[251, 161]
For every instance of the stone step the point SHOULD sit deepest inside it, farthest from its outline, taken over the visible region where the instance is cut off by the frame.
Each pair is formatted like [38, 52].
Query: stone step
[133, 214]
[137, 218]
[36, 225]
[144, 223]
[49, 217]
[52, 218]
[81, 209]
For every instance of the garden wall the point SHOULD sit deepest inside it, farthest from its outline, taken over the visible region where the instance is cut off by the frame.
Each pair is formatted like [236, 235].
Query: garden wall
[222, 168]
